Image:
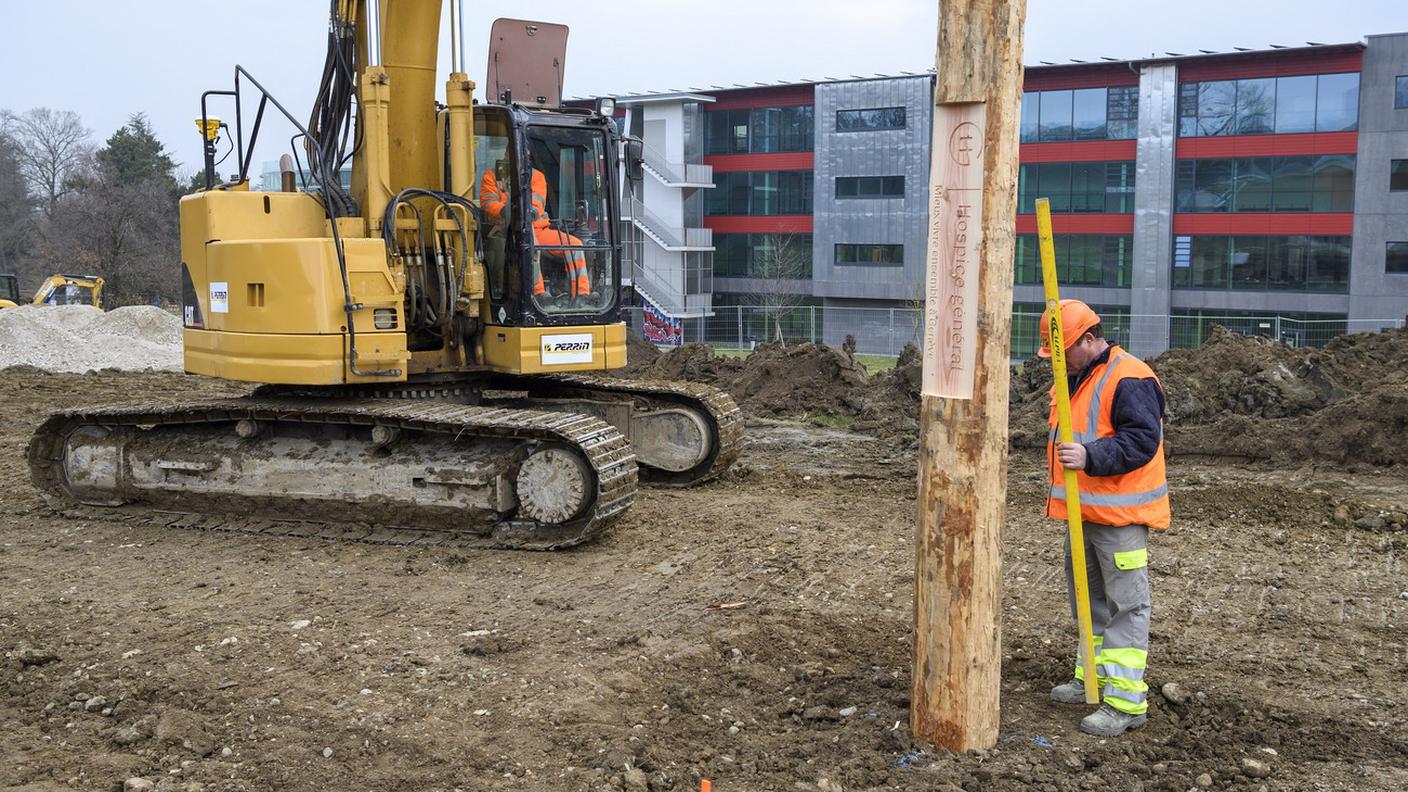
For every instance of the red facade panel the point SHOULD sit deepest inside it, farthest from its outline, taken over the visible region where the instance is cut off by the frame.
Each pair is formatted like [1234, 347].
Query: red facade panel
[778, 224]
[1328, 60]
[1268, 145]
[1057, 78]
[792, 160]
[778, 96]
[1082, 151]
[1326, 224]
[1080, 224]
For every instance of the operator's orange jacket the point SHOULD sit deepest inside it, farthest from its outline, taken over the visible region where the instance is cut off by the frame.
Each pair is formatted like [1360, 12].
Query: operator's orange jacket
[494, 199]
[1139, 497]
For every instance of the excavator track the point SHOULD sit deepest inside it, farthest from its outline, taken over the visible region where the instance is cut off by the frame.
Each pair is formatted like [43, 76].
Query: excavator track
[162, 464]
[721, 411]
[721, 418]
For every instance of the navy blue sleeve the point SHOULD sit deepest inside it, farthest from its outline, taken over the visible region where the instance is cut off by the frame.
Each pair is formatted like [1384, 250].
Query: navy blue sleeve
[1137, 414]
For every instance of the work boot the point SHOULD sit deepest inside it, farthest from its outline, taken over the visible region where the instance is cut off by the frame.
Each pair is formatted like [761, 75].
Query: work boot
[1072, 692]
[1110, 722]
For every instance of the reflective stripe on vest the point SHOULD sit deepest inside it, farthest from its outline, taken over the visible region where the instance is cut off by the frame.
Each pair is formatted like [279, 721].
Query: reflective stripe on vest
[1123, 499]
[1092, 417]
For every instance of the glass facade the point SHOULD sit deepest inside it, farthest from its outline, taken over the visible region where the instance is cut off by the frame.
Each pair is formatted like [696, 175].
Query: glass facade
[1266, 105]
[760, 193]
[849, 255]
[1083, 114]
[869, 186]
[871, 120]
[1260, 263]
[759, 130]
[762, 256]
[1400, 92]
[1266, 184]
[1081, 259]
[1077, 187]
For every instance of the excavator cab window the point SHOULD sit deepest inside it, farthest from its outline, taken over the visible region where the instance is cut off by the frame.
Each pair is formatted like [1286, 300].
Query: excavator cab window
[494, 158]
[9, 288]
[571, 267]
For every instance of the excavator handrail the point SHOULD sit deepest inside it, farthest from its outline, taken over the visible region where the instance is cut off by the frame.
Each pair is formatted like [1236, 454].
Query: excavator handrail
[246, 158]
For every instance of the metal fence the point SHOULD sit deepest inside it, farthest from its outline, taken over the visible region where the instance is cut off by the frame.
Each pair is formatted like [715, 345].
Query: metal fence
[885, 331]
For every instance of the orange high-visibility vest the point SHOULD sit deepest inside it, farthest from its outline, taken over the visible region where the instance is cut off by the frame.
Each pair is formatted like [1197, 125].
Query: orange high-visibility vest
[492, 199]
[540, 200]
[1139, 497]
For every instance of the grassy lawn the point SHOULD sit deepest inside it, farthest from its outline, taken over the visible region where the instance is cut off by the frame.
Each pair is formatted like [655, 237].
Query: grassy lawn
[872, 363]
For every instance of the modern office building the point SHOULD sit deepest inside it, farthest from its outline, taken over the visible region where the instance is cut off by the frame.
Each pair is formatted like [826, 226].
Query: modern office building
[1185, 189]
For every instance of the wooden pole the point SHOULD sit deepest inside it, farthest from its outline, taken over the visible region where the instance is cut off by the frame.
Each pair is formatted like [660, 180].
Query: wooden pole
[963, 410]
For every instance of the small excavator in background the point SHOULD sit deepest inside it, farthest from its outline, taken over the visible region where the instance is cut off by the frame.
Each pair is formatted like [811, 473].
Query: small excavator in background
[55, 290]
[432, 342]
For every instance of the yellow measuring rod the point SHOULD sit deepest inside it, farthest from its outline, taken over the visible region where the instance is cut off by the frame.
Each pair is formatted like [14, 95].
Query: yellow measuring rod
[1064, 435]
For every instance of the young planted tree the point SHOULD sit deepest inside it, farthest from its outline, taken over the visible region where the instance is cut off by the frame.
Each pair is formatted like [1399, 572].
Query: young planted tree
[782, 263]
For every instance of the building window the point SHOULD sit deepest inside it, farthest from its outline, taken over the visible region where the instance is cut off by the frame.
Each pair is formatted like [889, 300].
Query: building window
[870, 120]
[1265, 105]
[869, 186]
[870, 255]
[760, 193]
[1266, 184]
[1077, 187]
[1084, 114]
[1396, 258]
[758, 130]
[1261, 263]
[1398, 175]
[784, 256]
[1081, 259]
[1400, 92]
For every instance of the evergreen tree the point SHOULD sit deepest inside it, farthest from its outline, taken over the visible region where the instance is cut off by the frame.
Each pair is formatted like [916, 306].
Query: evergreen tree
[135, 156]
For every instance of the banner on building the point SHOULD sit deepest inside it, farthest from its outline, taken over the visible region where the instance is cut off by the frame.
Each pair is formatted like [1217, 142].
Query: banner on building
[660, 328]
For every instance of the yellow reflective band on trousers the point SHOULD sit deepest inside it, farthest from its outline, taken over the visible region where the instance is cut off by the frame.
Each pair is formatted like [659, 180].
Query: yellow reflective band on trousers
[1122, 679]
[1080, 667]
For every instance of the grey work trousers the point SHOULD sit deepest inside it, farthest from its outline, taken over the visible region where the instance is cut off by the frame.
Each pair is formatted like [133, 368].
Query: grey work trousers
[1117, 570]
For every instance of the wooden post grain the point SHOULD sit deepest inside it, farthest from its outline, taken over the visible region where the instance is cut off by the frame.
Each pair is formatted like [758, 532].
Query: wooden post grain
[963, 411]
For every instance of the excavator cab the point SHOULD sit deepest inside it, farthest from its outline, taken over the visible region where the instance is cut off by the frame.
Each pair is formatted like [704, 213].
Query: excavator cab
[551, 257]
[9, 291]
[71, 290]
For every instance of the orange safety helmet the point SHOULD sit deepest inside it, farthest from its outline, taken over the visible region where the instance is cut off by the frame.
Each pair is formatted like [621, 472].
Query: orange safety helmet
[1076, 319]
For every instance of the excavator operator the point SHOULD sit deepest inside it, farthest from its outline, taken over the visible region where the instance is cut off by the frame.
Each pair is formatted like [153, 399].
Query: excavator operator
[494, 200]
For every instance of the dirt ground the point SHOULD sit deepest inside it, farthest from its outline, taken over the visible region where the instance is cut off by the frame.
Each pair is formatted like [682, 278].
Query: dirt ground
[218, 662]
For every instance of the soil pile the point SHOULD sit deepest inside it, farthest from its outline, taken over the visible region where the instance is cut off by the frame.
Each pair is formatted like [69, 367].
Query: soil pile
[1259, 400]
[81, 338]
[775, 380]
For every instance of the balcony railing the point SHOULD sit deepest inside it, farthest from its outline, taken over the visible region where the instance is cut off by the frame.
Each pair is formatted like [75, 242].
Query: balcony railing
[678, 174]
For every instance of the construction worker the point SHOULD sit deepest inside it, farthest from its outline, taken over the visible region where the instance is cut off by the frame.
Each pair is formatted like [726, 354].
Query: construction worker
[1117, 409]
[494, 199]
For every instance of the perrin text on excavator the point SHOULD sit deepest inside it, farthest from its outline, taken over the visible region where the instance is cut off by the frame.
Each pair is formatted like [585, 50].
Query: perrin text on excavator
[430, 341]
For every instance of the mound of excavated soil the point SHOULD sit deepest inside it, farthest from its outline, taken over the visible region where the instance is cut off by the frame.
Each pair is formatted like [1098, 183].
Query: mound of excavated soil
[80, 338]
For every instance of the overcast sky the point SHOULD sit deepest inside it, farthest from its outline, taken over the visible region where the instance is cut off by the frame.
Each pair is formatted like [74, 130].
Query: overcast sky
[106, 60]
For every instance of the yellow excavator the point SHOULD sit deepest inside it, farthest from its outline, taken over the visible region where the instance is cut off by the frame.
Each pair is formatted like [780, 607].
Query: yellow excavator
[431, 342]
[55, 290]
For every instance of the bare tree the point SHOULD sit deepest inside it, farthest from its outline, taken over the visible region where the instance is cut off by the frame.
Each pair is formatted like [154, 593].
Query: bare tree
[51, 147]
[122, 230]
[783, 264]
[16, 208]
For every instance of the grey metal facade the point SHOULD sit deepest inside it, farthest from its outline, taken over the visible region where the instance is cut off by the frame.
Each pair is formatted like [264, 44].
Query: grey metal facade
[1155, 147]
[890, 152]
[1380, 216]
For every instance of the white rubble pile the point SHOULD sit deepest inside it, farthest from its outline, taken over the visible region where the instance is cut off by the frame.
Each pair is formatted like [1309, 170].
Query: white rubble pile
[80, 338]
